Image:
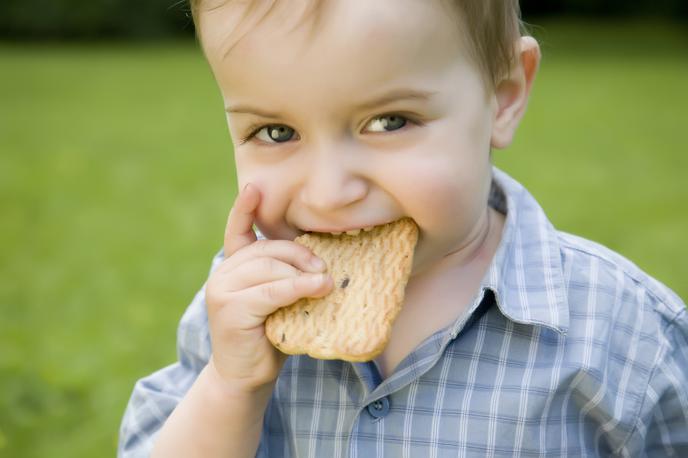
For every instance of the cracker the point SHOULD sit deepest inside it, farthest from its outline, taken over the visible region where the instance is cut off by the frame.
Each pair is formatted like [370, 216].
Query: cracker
[353, 322]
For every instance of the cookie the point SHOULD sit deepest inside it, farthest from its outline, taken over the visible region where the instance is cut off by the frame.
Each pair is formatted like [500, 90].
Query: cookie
[353, 322]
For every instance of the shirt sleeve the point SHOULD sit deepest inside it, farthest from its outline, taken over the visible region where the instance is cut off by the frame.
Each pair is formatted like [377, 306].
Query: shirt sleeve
[155, 397]
[662, 428]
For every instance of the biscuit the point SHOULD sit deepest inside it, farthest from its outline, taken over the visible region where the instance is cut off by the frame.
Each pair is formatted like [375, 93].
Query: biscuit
[353, 322]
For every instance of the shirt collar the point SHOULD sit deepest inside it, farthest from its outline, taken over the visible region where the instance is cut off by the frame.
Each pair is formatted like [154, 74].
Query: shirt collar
[526, 273]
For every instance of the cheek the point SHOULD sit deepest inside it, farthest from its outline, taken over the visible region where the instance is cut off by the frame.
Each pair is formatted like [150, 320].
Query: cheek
[445, 198]
[437, 196]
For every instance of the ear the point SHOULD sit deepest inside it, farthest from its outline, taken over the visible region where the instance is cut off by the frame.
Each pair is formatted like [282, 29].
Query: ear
[511, 94]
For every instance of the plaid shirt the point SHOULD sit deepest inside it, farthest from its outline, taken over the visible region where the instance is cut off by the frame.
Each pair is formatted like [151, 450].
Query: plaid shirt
[568, 349]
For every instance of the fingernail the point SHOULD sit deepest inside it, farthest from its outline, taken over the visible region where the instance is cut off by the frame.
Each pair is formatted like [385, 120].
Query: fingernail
[318, 264]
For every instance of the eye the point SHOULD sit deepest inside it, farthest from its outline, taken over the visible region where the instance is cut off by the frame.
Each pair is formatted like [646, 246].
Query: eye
[277, 133]
[387, 123]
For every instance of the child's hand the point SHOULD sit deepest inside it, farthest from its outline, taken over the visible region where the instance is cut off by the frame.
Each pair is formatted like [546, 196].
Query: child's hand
[255, 279]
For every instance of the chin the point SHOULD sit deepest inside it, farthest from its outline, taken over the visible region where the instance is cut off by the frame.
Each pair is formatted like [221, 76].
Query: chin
[428, 256]
[422, 260]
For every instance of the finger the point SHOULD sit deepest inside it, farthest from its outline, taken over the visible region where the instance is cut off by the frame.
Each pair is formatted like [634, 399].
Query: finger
[286, 251]
[268, 297]
[239, 229]
[258, 271]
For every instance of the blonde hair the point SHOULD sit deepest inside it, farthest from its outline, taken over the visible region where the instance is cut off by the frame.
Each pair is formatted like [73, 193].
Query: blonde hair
[492, 28]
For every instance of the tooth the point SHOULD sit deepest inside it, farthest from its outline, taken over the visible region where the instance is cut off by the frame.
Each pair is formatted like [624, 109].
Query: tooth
[368, 229]
[336, 233]
[354, 232]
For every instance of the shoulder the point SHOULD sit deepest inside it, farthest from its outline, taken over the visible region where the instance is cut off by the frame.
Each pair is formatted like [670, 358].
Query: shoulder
[623, 335]
[622, 320]
[628, 332]
[593, 267]
[593, 279]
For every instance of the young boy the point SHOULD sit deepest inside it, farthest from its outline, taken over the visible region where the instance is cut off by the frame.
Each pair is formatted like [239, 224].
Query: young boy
[514, 339]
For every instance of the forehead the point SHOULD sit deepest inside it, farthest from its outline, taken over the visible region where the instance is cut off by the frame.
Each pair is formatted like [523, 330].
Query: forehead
[346, 45]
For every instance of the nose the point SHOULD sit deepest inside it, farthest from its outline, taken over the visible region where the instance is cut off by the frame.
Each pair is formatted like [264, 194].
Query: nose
[331, 184]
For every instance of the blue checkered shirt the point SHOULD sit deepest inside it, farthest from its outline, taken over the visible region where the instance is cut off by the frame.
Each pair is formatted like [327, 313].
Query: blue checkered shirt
[568, 349]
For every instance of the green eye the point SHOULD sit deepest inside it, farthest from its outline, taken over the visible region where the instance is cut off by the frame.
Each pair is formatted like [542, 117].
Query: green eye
[387, 123]
[275, 133]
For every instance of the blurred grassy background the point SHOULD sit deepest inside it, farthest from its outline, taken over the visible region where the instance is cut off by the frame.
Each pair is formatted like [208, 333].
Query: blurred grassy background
[116, 176]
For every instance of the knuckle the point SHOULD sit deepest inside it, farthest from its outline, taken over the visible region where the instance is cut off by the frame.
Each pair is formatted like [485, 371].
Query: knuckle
[268, 265]
[295, 285]
[225, 266]
[270, 292]
[216, 296]
[212, 298]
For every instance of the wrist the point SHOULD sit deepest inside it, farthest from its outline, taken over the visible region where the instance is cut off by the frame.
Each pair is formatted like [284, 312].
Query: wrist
[223, 389]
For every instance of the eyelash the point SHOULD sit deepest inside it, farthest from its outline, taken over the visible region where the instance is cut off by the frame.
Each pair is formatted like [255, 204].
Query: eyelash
[255, 128]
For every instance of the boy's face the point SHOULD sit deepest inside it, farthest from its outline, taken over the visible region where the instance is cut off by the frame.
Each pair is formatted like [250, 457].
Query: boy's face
[379, 114]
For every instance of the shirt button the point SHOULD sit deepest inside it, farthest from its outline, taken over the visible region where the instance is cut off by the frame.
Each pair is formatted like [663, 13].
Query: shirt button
[379, 408]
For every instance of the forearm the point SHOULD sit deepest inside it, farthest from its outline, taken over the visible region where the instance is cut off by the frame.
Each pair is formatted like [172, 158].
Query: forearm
[213, 422]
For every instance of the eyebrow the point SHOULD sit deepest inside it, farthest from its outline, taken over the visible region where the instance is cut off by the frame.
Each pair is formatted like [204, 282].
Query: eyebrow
[387, 98]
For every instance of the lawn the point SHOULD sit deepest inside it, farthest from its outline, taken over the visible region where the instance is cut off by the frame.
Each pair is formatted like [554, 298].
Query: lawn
[116, 176]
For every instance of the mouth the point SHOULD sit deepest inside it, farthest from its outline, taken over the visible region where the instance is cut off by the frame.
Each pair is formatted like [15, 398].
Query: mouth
[343, 231]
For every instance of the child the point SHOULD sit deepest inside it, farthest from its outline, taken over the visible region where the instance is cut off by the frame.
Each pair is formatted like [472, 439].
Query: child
[514, 339]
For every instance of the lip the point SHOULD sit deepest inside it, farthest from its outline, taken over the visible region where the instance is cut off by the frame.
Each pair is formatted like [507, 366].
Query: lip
[350, 230]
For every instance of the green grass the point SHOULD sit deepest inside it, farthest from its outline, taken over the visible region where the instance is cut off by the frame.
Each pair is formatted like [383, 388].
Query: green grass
[116, 176]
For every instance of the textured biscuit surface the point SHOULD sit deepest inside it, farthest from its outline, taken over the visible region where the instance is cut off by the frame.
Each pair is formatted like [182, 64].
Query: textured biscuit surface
[354, 321]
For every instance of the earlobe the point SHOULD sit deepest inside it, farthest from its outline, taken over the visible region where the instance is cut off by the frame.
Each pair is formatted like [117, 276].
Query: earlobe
[511, 94]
